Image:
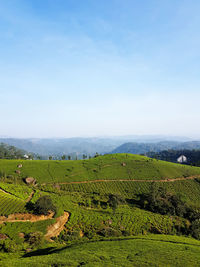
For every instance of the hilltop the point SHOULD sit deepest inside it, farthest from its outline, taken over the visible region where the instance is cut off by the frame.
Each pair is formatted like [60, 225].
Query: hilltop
[107, 167]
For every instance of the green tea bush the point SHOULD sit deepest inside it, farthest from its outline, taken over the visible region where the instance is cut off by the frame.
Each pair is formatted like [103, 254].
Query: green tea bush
[109, 232]
[9, 246]
[35, 239]
[195, 229]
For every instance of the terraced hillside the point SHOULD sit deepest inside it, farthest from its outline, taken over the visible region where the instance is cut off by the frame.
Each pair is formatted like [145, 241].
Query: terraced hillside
[103, 199]
[107, 167]
[10, 204]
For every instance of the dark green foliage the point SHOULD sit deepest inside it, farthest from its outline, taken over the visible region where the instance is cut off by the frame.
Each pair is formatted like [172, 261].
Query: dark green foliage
[115, 200]
[160, 201]
[195, 229]
[43, 205]
[70, 235]
[35, 239]
[193, 156]
[11, 152]
[8, 246]
[109, 232]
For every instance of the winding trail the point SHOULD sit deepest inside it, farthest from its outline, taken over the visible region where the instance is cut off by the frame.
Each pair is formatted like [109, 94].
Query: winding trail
[165, 180]
[53, 230]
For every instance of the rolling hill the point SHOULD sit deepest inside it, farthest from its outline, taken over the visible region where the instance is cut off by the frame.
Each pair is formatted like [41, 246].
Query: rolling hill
[79, 145]
[107, 167]
[101, 203]
[143, 148]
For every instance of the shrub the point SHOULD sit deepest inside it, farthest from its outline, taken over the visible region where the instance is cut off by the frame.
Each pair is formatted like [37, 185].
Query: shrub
[43, 205]
[114, 201]
[109, 232]
[9, 246]
[35, 239]
[195, 229]
[70, 235]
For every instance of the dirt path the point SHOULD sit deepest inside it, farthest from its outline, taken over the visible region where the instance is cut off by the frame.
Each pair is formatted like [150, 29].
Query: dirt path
[135, 180]
[55, 229]
[30, 196]
[25, 217]
[52, 230]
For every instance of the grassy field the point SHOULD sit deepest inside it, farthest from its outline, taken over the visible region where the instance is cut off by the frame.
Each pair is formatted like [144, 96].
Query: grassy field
[156, 250]
[117, 166]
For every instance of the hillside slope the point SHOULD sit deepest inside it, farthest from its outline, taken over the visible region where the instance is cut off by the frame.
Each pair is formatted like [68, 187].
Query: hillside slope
[96, 201]
[107, 167]
[156, 250]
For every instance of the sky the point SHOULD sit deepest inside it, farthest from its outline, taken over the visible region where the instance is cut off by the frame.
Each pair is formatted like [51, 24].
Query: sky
[99, 68]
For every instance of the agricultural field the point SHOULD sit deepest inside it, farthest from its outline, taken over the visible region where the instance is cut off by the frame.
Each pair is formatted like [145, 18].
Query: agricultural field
[107, 167]
[189, 190]
[10, 204]
[86, 189]
[19, 191]
[152, 250]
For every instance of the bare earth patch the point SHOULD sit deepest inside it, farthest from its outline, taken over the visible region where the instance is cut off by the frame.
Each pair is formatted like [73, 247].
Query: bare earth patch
[25, 217]
[55, 229]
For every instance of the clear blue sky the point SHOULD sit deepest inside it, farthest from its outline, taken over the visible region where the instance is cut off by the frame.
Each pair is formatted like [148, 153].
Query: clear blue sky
[99, 67]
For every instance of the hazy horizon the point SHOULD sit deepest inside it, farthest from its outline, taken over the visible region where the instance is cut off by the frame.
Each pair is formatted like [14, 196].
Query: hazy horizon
[95, 68]
[150, 136]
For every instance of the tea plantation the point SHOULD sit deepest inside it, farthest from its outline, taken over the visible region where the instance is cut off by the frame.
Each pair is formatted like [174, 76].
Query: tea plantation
[124, 210]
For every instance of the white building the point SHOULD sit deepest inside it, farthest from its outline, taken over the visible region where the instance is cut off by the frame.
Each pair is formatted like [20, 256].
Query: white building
[182, 159]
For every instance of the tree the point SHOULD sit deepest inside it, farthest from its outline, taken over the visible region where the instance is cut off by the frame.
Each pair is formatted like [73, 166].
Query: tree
[69, 157]
[43, 205]
[84, 156]
[63, 157]
[35, 239]
[50, 157]
[114, 201]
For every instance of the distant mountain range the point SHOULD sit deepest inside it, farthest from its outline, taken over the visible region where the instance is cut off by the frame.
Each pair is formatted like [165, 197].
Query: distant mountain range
[143, 148]
[61, 146]
[101, 145]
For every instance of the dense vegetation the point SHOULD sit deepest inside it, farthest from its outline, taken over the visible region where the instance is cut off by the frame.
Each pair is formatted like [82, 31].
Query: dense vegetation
[193, 156]
[107, 197]
[11, 152]
[143, 148]
[43, 205]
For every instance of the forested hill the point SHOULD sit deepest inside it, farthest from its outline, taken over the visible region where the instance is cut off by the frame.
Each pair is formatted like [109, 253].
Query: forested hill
[193, 156]
[11, 152]
[143, 148]
[83, 145]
